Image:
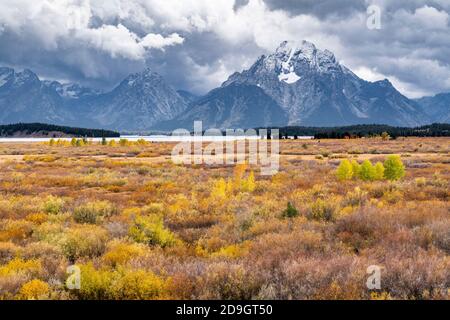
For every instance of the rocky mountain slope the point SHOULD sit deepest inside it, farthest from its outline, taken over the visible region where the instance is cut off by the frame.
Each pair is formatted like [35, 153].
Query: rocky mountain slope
[138, 103]
[235, 106]
[315, 90]
[437, 107]
[24, 98]
[298, 84]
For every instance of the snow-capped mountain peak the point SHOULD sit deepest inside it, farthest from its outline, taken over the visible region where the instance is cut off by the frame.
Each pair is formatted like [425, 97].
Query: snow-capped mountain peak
[142, 79]
[25, 77]
[298, 55]
[5, 75]
[314, 89]
[70, 90]
[290, 48]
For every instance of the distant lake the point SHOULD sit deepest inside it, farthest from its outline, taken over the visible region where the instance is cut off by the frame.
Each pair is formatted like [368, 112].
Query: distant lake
[154, 138]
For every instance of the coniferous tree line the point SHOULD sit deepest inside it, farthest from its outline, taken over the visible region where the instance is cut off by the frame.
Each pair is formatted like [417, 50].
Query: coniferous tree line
[366, 130]
[30, 128]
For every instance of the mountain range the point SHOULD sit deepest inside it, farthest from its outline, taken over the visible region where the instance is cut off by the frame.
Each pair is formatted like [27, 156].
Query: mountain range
[298, 84]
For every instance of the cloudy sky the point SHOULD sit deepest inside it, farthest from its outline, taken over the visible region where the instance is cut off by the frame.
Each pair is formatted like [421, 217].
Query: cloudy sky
[197, 44]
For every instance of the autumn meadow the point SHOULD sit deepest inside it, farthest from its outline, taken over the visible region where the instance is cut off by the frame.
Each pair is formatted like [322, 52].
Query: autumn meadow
[138, 226]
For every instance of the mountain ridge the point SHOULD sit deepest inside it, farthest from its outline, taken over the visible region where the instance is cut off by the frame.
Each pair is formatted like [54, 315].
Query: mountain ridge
[297, 83]
[315, 89]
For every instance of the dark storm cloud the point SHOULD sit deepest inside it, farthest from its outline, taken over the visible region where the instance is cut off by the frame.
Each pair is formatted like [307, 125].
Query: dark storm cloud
[203, 60]
[197, 44]
[319, 8]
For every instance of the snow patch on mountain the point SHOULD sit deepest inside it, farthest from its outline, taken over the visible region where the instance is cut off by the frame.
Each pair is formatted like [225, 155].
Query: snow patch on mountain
[288, 74]
[3, 79]
[359, 113]
[289, 78]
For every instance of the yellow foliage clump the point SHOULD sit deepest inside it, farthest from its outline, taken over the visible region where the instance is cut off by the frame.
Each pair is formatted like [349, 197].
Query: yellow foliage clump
[219, 190]
[238, 183]
[345, 170]
[84, 241]
[232, 251]
[124, 142]
[119, 253]
[380, 296]
[120, 284]
[150, 230]
[238, 173]
[16, 230]
[139, 285]
[53, 205]
[37, 218]
[249, 184]
[323, 209]
[40, 158]
[19, 266]
[180, 204]
[34, 290]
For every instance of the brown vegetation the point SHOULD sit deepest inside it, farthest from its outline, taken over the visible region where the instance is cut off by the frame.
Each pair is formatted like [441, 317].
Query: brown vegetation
[141, 227]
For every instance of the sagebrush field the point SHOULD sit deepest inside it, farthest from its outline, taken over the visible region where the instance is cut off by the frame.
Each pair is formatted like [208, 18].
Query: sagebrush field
[140, 227]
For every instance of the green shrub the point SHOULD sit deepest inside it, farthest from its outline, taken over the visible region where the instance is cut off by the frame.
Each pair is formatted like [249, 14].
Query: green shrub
[53, 205]
[150, 230]
[84, 241]
[394, 168]
[323, 210]
[367, 171]
[356, 167]
[93, 212]
[379, 171]
[355, 198]
[124, 142]
[345, 170]
[290, 212]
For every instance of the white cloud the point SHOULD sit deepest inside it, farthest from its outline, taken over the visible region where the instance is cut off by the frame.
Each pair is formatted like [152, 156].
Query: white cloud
[107, 39]
[431, 18]
[159, 42]
[69, 23]
[369, 74]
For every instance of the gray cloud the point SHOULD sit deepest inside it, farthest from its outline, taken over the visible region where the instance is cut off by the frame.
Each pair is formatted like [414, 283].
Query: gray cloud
[319, 8]
[197, 44]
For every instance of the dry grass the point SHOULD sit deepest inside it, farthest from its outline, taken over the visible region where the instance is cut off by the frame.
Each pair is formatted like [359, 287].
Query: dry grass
[131, 219]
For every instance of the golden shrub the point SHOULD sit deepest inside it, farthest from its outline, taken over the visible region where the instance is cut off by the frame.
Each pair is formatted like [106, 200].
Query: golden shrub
[232, 251]
[84, 241]
[323, 209]
[119, 284]
[53, 205]
[150, 230]
[16, 230]
[119, 253]
[19, 266]
[34, 289]
[139, 285]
